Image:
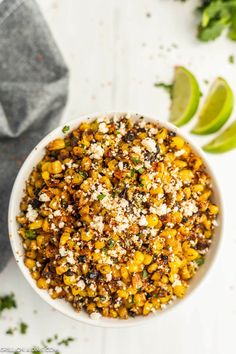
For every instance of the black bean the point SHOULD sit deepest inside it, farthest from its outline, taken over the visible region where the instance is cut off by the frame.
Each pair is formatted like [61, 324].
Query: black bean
[125, 165]
[69, 273]
[74, 141]
[93, 274]
[171, 133]
[131, 313]
[130, 136]
[164, 258]
[123, 193]
[184, 219]
[35, 203]
[82, 258]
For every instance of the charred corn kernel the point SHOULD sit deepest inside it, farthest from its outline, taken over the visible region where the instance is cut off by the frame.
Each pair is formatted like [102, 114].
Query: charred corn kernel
[113, 313]
[123, 294]
[156, 303]
[42, 283]
[187, 192]
[35, 275]
[123, 313]
[106, 181]
[36, 225]
[77, 179]
[208, 234]
[99, 244]
[91, 307]
[132, 267]
[46, 175]
[61, 269]
[86, 163]
[84, 210]
[30, 263]
[46, 166]
[147, 308]
[138, 257]
[213, 209]
[179, 291]
[96, 257]
[207, 224]
[156, 276]
[112, 165]
[104, 269]
[185, 274]
[78, 151]
[191, 254]
[56, 144]
[139, 299]
[147, 259]
[40, 240]
[69, 280]
[198, 188]
[145, 181]
[205, 196]
[186, 175]
[45, 225]
[84, 126]
[152, 268]
[64, 238]
[152, 220]
[86, 235]
[165, 279]
[134, 229]
[85, 186]
[162, 134]
[54, 204]
[180, 163]
[165, 299]
[31, 254]
[56, 167]
[124, 273]
[197, 163]
[137, 281]
[177, 143]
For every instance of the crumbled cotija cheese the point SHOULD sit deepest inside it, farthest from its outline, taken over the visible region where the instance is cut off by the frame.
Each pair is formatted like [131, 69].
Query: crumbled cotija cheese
[149, 144]
[31, 214]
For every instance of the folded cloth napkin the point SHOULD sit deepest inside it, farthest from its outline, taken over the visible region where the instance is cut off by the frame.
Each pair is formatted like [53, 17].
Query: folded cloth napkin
[33, 93]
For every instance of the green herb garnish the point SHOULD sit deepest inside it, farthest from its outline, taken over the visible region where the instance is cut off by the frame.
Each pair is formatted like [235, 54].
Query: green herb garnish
[231, 59]
[23, 328]
[30, 234]
[10, 331]
[141, 170]
[111, 242]
[144, 274]
[200, 261]
[66, 341]
[83, 174]
[167, 87]
[101, 196]
[135, 160]
[65, 129]
[7, 302]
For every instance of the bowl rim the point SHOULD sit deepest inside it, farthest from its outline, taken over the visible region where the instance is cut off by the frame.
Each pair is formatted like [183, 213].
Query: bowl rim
[14, 236]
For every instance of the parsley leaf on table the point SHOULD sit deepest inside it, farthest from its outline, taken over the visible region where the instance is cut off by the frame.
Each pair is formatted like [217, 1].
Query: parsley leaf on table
[7, 302]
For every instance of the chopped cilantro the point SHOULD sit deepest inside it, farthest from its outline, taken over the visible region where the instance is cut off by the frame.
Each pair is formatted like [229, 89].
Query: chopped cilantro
[65, 129]
[167, 87]
[23, 328]
[66, 341]
[200, 261]
[141, 170]
[135, 160]
[111, 243]
[145, 274]
[30, 234]
[231, 59]
[132, 172]
[7, 302]
[101, 196]
[10, 331]
[83, 174]
[35, 351]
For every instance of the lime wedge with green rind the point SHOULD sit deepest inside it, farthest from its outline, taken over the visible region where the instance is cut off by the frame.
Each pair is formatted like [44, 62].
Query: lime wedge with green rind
[216, 109]
[223, 142]
[185, 97]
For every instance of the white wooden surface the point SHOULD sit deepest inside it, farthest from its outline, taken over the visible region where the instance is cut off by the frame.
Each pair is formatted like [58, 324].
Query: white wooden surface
[115, 53]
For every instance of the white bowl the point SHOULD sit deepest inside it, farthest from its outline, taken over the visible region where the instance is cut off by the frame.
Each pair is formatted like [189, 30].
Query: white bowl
[16, 242]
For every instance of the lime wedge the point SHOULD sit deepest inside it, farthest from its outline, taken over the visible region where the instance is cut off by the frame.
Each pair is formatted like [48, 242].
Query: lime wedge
[216, 109]
[223, 142]
[185, 97]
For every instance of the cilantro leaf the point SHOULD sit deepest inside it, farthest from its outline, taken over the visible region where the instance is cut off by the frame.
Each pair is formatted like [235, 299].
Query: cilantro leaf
[7, 302]
[65, 129]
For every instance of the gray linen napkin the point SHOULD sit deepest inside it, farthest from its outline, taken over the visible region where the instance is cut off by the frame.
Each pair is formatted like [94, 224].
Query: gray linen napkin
[33, 93]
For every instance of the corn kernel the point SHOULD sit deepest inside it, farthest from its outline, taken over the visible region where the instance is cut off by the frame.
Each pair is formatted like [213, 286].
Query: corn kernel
[56, 144]
[152, 220]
